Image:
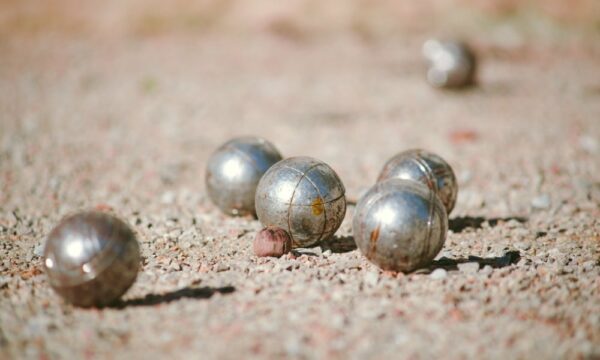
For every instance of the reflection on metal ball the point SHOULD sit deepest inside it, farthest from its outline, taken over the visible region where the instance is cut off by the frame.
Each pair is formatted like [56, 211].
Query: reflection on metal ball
[400, 225]
[303, 196]
[91, 258]
[234, 170]
[451, 64]
[427, 168]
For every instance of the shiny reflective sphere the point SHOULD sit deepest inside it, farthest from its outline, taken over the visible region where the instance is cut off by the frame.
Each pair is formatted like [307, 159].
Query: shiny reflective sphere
[91, 258]
[427, 168]
[451, 64]
[303, 196]
[400, 225]
[234, 170]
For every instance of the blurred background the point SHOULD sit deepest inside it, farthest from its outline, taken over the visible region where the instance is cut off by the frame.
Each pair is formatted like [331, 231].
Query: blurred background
[503, 22]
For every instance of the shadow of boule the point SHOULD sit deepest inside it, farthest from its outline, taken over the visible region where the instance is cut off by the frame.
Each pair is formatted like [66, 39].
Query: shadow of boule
[183, 293]
[509, 258]
[459, 224]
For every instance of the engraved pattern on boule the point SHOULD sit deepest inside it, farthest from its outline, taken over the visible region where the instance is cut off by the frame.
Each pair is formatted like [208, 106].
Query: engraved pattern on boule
[427, 168]
[303, 196]
[234, 170]
[451, 64]
[91, 258]
[400, 225]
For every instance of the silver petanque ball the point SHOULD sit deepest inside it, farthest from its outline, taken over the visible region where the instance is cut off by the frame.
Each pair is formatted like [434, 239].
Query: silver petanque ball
[234, 170]
[303, 196]
[400, 225]
[91, 258]
[427, 168]
[451, 64]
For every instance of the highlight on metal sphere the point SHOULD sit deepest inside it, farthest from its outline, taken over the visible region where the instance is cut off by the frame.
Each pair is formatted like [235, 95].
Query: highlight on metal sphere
[234, 170]
[303, 196]
[427, 168]
[451, 64]
[91, 258]
[400, 225]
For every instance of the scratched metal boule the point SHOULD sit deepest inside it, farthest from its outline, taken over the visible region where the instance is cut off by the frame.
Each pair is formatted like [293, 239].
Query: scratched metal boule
[303, 196]
[91, 258]
[427, 168]
[400, 225]
[451, 64]
[234, 170]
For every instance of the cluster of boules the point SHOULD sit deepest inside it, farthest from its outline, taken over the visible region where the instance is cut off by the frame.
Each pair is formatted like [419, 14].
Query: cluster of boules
[401, 223]
[92, 258]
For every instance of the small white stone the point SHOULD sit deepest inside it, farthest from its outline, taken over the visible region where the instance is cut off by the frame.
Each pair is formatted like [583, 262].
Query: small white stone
[438, 274]
[589, 265]
[175, 266]
[371, 278]
[541, 202]
[167, 197]
[39, 250]
[487, 270]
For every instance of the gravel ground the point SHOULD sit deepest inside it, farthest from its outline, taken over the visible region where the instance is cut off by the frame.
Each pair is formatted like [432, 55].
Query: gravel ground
[127, 127]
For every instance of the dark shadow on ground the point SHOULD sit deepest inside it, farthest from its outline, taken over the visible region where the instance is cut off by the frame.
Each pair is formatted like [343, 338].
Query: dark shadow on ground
[509, 258]
[339, 244]
[459, 224]
[304, 251]
[184, 293]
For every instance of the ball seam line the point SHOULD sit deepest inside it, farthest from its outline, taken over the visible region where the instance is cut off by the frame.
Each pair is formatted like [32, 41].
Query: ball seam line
[289, 212]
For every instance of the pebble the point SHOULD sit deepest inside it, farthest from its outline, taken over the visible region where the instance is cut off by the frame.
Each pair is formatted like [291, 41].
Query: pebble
[523, 245]
[272, 241]
[438, 274]
[371, 278]
[469, 267]
[487, 270]
[221, 267]
[541, 202]
[349, 264]
[589, 265]
[167, 197]
[39, 250]
[174, 266]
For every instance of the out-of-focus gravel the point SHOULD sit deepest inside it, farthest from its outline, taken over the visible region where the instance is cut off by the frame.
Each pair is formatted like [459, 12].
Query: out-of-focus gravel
[127, 127]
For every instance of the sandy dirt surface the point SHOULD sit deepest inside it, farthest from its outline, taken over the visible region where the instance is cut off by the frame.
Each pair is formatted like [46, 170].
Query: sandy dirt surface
[126, 126]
